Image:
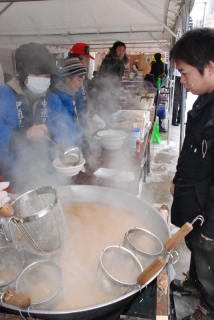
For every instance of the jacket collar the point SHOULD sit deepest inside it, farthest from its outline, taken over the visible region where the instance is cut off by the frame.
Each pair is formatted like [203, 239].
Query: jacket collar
[115, 57]
[200, 103]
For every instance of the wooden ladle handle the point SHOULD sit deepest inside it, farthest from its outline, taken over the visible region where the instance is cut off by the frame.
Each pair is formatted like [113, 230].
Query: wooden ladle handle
[7, 210]
[16, 298]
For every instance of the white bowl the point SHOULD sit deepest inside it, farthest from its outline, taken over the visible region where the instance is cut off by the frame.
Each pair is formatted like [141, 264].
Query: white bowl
[68, 171]
[111, 139]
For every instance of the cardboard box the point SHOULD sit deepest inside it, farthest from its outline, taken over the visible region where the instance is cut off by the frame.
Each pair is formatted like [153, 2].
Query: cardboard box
[124, 119]
[127, 119]
[152, 114]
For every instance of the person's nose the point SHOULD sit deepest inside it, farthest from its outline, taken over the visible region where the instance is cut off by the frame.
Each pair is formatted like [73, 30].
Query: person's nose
[182, 79]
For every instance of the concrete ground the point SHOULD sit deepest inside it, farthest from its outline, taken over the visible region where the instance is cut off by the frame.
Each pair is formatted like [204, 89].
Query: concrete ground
[156, 190]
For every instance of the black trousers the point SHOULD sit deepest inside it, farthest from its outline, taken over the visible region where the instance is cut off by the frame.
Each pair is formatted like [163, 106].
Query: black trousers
[202, 267]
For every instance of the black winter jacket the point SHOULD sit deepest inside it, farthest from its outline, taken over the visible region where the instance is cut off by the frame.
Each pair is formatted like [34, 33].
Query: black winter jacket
[194, 178]
[157, 68]
[112, 66]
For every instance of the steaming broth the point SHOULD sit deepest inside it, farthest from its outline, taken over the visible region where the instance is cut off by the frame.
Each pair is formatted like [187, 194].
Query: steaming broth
[90, 229]
[121, 267]
[41, 291]
[144, 242]
[8, 274]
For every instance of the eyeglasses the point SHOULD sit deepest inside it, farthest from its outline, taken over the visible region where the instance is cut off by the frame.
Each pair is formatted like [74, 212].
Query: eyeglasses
[81, 76]
[86, 59]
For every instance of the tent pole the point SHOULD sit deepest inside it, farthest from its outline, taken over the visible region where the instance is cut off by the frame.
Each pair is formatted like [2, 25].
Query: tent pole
[183, 108]
[156, 18]
[184, 94]
[6, 7]
[171, 99]
[160, 44]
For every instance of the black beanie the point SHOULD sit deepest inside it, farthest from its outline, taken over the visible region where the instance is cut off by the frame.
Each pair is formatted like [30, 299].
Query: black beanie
[34, 58]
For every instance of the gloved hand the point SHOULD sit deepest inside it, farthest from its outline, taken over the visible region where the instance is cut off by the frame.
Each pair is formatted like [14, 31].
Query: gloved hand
[3, 194]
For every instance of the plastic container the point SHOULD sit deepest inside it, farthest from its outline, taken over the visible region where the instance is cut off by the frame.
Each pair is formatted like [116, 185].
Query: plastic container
[134, 135]
[138, 145]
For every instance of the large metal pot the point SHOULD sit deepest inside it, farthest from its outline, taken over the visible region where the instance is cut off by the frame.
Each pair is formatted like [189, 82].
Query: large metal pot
[152, 220]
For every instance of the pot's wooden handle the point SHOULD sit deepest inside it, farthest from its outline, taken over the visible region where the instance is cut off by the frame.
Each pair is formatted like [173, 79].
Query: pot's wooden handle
[7, 210]
[151, 270]
[178, 236]
[16, 298]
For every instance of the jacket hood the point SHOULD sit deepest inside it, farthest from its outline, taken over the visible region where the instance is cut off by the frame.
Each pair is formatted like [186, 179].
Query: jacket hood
[115, 57]
[15, 85]
[61, 86]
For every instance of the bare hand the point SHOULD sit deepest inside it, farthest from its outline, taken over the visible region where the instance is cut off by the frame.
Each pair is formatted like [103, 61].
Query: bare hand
[37, 132]
[172, 188]
[208, 239]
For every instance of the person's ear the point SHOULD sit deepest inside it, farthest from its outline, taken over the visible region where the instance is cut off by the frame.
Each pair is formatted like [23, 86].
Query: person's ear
[211, 67]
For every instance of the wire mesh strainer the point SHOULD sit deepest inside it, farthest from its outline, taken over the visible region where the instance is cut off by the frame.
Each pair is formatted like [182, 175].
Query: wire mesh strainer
[143, 240]
[11, 264]
[41, 282]
[118, 270]
[39, 218]
[8, 233]
[144, 244]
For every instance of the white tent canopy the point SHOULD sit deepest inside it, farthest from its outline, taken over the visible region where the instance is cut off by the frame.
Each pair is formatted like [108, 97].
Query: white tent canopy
[144, 25]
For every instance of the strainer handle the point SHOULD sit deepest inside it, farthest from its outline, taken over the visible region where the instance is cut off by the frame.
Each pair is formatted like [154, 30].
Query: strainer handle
[15, 298]
[155, 267]
[181, 233]
[7, 210]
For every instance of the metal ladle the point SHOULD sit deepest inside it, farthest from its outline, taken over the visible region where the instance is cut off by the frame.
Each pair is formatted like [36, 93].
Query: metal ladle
[70, 155]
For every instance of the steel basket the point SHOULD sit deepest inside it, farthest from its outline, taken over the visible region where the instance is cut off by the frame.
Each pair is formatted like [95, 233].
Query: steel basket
[40, 219]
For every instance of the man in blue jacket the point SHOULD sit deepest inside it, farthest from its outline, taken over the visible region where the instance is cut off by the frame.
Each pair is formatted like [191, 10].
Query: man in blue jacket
[68, 90]
[193, 184]
[28, 110]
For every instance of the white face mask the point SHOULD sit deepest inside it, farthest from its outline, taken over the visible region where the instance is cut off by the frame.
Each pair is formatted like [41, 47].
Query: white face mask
[38, 85]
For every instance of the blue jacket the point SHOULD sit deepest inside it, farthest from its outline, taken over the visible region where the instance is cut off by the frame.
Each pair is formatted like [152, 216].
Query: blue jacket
[59, 123]
[67, 101]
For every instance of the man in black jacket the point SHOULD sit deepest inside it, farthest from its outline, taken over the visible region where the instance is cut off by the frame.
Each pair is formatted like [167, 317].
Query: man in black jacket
[157, 67]
[193, 184]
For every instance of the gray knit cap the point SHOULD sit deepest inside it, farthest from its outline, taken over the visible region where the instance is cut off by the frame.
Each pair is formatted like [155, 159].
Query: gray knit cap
[34, 58]
[72, 67]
